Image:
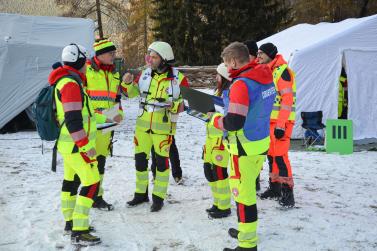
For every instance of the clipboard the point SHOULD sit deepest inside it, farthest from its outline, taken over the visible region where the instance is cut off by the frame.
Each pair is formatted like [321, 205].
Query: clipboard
[197, 100]
[200, 103]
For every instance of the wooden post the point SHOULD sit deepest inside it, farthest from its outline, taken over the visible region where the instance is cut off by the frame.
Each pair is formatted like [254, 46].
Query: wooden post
[99, 19]
[145, 27]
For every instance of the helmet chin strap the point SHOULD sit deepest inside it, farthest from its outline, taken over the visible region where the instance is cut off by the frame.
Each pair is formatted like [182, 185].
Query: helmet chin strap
[162, 67]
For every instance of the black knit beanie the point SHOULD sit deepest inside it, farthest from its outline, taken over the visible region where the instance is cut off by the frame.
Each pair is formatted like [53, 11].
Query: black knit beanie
[270, 49]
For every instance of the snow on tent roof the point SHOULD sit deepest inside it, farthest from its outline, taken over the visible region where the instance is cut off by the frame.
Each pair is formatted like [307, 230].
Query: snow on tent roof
[302, 36]
[29, 45]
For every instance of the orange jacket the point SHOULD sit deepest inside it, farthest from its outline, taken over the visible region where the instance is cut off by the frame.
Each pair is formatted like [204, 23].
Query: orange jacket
[284, 86]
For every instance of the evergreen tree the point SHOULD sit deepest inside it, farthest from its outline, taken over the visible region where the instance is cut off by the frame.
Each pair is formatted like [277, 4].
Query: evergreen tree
[198, 30]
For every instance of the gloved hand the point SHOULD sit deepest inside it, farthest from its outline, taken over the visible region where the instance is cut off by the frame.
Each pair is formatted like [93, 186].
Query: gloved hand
[279, 133]
[128, 78]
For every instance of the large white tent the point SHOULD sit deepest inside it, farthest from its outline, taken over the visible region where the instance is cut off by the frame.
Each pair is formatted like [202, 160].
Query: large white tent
[29, 45]
[317, 53]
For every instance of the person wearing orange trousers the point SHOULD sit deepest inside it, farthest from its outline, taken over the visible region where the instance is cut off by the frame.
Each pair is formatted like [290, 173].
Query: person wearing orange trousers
[281, 126]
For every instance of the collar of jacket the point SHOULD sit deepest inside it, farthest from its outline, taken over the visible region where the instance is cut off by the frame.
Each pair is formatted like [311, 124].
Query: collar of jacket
[65, 70]
[277, 61]
[237, 72]
[97, 65]
[257, 72]
[169, 71]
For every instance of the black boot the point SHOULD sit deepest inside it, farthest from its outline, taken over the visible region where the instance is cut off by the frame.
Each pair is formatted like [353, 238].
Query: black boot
[178, 180]
[138, 199]
[69, 225]
[101, 204]
[287, 199]
[211, 209]
[241, 249]
[84, 238]
[257, 184]
[157, 203]
[272, 192]
[220, 213]
[233, 233]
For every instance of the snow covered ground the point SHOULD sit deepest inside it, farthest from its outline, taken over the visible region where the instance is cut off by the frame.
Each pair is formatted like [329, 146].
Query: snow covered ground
[335, 195]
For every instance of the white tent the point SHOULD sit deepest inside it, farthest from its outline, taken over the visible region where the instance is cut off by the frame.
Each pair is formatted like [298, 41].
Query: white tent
[29, 45]
[317, 52]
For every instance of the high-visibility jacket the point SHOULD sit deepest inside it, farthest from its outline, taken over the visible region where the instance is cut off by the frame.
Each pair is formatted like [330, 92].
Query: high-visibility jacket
[248, 106]
[155, 92]
[74, 111]
[212, 131]
[284, 108]
[341, 97]
[103, 87]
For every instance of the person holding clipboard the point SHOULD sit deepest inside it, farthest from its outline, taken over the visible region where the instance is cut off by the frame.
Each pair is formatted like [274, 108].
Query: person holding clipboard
[216, 157]
[104, 91]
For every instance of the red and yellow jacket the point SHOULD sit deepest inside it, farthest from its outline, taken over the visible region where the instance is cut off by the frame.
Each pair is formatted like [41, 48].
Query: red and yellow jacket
[284, 108]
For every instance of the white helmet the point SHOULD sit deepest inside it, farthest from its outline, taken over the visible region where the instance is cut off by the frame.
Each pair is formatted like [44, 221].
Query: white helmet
[223, 71]
[71, 53]
[164, 50]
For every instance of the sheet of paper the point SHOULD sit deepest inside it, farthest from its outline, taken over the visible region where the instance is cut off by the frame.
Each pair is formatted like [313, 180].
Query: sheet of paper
[197, 114]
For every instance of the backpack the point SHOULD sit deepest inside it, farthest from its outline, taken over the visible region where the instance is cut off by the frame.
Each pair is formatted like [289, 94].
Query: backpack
[44, 111]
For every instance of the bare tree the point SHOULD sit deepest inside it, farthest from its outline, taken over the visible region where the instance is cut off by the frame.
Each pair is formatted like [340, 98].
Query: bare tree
[40, 8]
[111, 15]
[139, 34]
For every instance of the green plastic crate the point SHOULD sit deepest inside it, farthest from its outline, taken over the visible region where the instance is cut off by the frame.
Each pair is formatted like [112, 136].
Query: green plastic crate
[339, 136]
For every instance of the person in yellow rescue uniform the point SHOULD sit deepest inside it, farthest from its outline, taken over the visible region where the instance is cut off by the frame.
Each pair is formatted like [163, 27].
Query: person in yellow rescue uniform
[160, 103]
[103, 88]
[247, 109]
[76, 143]
[343, 96]
[216, 157]
[282, 122]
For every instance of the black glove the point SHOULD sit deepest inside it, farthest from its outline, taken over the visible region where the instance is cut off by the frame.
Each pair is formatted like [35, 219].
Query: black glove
[279, 133]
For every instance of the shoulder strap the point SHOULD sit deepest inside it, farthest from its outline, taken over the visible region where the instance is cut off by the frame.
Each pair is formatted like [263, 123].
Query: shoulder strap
[55, 150]
[279, 71]
[145, 82]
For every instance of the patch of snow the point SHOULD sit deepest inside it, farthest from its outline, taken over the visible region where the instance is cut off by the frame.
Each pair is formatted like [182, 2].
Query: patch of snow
[335, 197]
